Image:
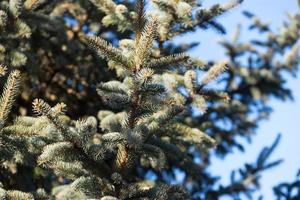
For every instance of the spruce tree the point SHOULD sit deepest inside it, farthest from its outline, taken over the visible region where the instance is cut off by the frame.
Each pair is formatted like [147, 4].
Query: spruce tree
[148, 89]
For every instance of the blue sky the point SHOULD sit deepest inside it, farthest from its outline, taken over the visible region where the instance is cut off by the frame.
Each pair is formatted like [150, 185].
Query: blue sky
[286, 115]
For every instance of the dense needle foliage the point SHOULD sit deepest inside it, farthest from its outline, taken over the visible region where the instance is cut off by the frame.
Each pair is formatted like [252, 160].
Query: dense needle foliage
[98, 96]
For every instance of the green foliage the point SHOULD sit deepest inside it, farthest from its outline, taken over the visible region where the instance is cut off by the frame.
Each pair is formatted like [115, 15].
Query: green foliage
[149, 90]
[248, 176]
[119, 152]
[288, 190]
[8, 95]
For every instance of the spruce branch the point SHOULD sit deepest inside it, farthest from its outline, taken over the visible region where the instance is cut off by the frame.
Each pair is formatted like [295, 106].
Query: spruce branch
[106, 6]
[18, 195]
[231, 4]
[206, 17]
[181, 159]
[30, 4]
[40, 107]
[12, 194]
[59, 109]
[71, 170]
[292, 57]
[144, 75]
[132, 114]
[114, 100]
[90, 159]
[54, 151]
[152, 89]
[249, 175]
[122, 156]
[3, 19]
[193, 135]
[111, 122]
[86, 128]
[199, 102]
[44, 109]
[16, 7]
[115, 14]
[213, 95]
[109, 198]
[148, 127]
[22, 130]
[22, 30]
[3, 70]
[169, 61]
[140, 19]
[90, 186]
[189, 79]
[214, 72]
[107, 51]
[113, 86]
[146, 110]
[144, 45]
[9, 93]
[155, 155]
[163, 116]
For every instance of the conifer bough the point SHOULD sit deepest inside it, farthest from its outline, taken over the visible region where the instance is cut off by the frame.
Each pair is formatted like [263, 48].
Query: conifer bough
[157, 114]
